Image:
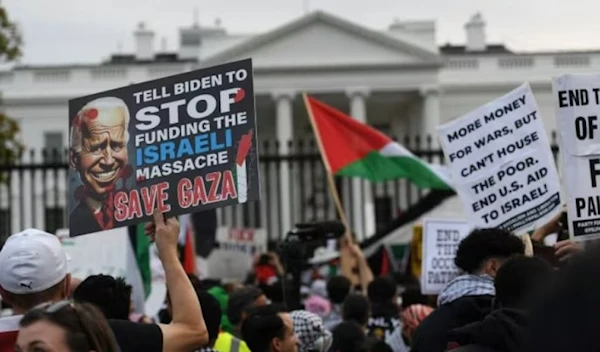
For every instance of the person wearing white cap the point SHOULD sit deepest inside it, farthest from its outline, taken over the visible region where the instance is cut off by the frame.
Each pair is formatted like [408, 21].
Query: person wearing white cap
[33, 270]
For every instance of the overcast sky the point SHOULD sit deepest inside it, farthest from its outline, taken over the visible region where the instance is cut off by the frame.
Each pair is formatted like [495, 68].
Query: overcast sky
[82, 31]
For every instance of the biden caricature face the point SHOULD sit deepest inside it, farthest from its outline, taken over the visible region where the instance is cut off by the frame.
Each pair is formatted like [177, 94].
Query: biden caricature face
[102, 152]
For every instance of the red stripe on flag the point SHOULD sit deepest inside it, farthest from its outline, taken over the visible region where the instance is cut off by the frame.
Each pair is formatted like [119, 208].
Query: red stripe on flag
[244, 148]
[344, 139]
[189, 255]
[385, 262]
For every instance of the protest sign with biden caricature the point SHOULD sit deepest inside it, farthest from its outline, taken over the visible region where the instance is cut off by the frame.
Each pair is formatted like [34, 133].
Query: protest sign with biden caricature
[183, 143]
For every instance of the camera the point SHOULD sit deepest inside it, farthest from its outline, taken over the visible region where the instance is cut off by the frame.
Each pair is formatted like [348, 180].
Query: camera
[297, 248]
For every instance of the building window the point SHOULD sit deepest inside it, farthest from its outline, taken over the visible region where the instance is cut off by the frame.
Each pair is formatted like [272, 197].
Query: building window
[5, 224]
[54, 218]
[190, 39]
[53, 146]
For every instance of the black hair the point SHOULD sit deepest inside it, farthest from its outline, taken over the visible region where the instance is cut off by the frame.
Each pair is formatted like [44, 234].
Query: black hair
[241, 301]
[483, 244]
[211, 311]
[380, 346]
[196, 282]
[85, 328]
[519, 280]
[207, 284]
[382, 289]
[263, 325]
[413, 296]
[112, 296]
[273, 292]
[348, 336]
[356, 308]
[338, 287]
[406, 280]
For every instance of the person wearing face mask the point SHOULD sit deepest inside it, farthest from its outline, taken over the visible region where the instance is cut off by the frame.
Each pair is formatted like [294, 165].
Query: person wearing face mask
[65, 327]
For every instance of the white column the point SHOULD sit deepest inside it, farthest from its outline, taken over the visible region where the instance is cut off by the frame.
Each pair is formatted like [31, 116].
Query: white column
[284, 128]
[431, 113]
[363, 206]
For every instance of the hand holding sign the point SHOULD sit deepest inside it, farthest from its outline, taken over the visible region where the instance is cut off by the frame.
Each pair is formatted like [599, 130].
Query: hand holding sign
[552, 226]
[164, 232]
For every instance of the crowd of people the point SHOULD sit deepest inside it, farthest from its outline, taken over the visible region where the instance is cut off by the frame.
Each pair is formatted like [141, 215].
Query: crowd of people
[506, 299]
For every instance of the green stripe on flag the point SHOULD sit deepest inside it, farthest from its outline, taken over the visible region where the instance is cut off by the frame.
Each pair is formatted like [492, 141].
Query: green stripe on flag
[142, 256]
[377, 168]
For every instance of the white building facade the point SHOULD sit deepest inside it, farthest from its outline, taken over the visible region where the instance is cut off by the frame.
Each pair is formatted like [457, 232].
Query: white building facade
[397, 80]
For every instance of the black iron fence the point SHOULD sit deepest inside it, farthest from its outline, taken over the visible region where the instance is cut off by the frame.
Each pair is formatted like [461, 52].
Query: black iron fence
[33, 191]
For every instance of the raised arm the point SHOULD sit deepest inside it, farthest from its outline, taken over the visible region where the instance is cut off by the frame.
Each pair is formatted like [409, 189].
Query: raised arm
[187, 330]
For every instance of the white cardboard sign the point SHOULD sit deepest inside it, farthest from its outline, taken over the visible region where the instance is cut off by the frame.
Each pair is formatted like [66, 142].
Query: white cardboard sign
[501, 163]
[237, 247]
[440, 242]
[577, 105]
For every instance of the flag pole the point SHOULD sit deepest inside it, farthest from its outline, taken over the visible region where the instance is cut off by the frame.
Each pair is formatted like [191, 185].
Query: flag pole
[330, 179]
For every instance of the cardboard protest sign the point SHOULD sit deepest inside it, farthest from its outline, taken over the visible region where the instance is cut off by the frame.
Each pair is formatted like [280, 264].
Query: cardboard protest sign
[241, 240]
[501, 163]
[184, 143]
[440, 243]
[577, 104]
[237, 247]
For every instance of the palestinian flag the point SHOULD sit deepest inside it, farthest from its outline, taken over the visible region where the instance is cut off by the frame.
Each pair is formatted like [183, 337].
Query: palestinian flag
[384, 261]
[351, 148]
[186, 242]
[140, 243]
[240, 171]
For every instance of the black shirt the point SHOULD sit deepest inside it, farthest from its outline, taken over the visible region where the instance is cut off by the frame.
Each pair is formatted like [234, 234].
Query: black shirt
[133, 337]
[504, 329]
[432, 335]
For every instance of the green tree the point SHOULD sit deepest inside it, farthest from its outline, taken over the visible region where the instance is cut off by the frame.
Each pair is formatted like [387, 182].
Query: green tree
[10, 50]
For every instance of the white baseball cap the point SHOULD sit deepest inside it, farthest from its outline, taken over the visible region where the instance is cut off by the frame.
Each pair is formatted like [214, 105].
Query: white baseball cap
[32, 261]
